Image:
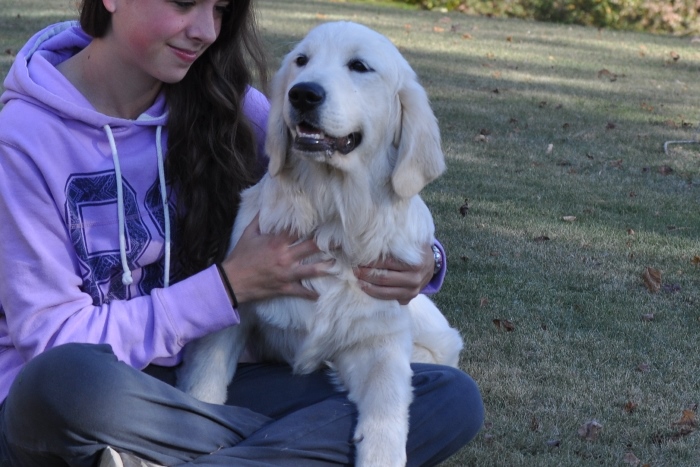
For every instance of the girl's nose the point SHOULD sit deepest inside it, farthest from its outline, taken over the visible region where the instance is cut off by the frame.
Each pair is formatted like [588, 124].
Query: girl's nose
[205, 25]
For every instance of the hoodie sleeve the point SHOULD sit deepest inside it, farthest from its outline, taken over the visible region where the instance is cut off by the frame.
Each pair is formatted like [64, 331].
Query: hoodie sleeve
[41, 290]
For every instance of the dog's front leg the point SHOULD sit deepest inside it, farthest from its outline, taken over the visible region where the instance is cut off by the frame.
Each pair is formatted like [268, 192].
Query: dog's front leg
[209, 363]
[378, 380]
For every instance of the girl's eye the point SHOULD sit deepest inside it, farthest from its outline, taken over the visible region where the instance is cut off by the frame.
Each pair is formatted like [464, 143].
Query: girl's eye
[224, 8]
[301, 60]
[183, 4]
[359, 66]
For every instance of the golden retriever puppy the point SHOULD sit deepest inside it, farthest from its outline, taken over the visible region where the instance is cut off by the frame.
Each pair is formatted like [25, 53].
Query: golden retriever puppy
[352, 140]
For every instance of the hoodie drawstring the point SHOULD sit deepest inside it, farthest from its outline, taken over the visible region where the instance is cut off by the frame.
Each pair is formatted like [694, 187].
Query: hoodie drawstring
[127, 278]
[166, 210]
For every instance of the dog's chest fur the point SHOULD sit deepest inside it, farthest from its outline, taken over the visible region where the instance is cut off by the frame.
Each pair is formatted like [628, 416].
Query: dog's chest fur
[355, 224]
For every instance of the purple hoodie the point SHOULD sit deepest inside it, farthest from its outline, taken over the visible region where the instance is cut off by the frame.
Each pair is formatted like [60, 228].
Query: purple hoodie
[73, 183]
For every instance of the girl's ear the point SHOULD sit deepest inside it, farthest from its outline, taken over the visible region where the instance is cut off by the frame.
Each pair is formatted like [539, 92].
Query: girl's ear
[110, 5]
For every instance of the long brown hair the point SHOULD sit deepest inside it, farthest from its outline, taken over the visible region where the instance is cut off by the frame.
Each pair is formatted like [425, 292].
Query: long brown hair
[211, 147]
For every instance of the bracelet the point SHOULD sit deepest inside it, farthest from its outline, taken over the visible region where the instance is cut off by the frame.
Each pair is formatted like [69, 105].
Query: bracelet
[437, 255]
[227, 283]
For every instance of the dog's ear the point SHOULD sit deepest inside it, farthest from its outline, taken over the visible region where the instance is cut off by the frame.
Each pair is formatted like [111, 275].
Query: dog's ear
[420, 159]
[276, 140]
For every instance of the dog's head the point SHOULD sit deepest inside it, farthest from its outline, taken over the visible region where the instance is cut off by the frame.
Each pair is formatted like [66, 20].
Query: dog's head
[344, 96]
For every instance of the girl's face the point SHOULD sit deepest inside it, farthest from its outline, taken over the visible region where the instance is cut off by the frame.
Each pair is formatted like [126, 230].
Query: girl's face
[163, 38]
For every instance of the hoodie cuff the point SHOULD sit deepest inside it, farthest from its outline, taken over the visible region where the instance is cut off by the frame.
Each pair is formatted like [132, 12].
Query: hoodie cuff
[435, 283]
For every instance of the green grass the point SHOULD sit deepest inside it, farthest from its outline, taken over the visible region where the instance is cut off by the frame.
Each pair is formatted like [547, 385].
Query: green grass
[576, 300]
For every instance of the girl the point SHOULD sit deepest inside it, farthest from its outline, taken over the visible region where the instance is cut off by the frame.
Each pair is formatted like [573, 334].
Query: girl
[113, 255]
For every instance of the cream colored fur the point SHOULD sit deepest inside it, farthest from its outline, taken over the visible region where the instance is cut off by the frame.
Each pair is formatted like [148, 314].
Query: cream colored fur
[359, 207]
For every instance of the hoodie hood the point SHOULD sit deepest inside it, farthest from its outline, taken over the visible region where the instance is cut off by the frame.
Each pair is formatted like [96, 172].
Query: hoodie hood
[34, 78]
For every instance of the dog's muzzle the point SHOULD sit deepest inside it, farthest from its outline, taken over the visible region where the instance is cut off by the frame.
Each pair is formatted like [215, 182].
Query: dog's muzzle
[306, 98]
[310, 139]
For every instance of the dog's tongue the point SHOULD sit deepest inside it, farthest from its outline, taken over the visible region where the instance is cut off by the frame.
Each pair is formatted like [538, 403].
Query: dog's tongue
[311, 139]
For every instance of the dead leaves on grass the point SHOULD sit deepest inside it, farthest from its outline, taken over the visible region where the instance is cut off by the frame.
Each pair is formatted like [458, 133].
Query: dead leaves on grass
[681, 428]
[504, 324]
[652, 279]
[631, 459]
[590, 430]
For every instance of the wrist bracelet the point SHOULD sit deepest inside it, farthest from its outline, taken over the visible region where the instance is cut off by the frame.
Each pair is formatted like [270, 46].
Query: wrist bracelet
[437, 254]
[227, 283]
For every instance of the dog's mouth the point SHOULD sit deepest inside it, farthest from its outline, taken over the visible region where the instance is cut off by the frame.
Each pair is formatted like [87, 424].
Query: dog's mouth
[311, 139]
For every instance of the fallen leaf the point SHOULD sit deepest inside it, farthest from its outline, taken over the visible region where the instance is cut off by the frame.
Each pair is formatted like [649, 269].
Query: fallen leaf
[438, 29]
[630, 232]
[590, 430]
[687, 419]
[665, 170]
[464, 209]
[534, 424]
[643, 367]
[631, 406]
[652, 279]
[610, 126]
[617, 164]
[695, 260]
[504, 324]
[648, 317]
[541, 239]
[553, 443]
[675, 56]
[605, 73]
[483, 301]
[466, 35]
[631, 459]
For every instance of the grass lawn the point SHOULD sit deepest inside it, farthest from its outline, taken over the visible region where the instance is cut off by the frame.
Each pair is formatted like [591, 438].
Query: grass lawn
[557, 198]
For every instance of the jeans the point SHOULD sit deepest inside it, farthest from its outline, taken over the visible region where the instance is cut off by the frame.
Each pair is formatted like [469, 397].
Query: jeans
[72, 401]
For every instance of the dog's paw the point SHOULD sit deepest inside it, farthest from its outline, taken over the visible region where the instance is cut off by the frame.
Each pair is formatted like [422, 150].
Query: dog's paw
[375, 450]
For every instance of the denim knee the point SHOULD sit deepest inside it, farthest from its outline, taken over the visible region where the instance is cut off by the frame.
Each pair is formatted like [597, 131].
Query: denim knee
[447, 413]
[55, 388]
[466, 412]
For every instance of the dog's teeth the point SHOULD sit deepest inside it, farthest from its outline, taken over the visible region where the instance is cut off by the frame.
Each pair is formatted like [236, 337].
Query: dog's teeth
[304, 133]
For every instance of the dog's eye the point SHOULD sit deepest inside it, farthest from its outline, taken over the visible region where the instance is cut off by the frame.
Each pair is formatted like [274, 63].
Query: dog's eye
[301, 60]
[358, 66]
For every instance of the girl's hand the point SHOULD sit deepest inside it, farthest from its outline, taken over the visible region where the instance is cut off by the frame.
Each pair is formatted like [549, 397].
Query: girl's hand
[391, 279]
[264, 265]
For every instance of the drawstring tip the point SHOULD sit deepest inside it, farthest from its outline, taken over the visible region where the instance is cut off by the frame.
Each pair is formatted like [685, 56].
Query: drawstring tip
[127, 279]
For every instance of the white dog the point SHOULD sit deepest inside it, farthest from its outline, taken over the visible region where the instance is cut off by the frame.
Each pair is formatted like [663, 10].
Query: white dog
[352, 140]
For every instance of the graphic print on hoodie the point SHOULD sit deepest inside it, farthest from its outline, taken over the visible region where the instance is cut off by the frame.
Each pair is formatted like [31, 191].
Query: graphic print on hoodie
[93, 197]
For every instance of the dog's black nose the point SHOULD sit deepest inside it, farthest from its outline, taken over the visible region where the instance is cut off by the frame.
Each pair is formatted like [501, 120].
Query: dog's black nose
[306, 96]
